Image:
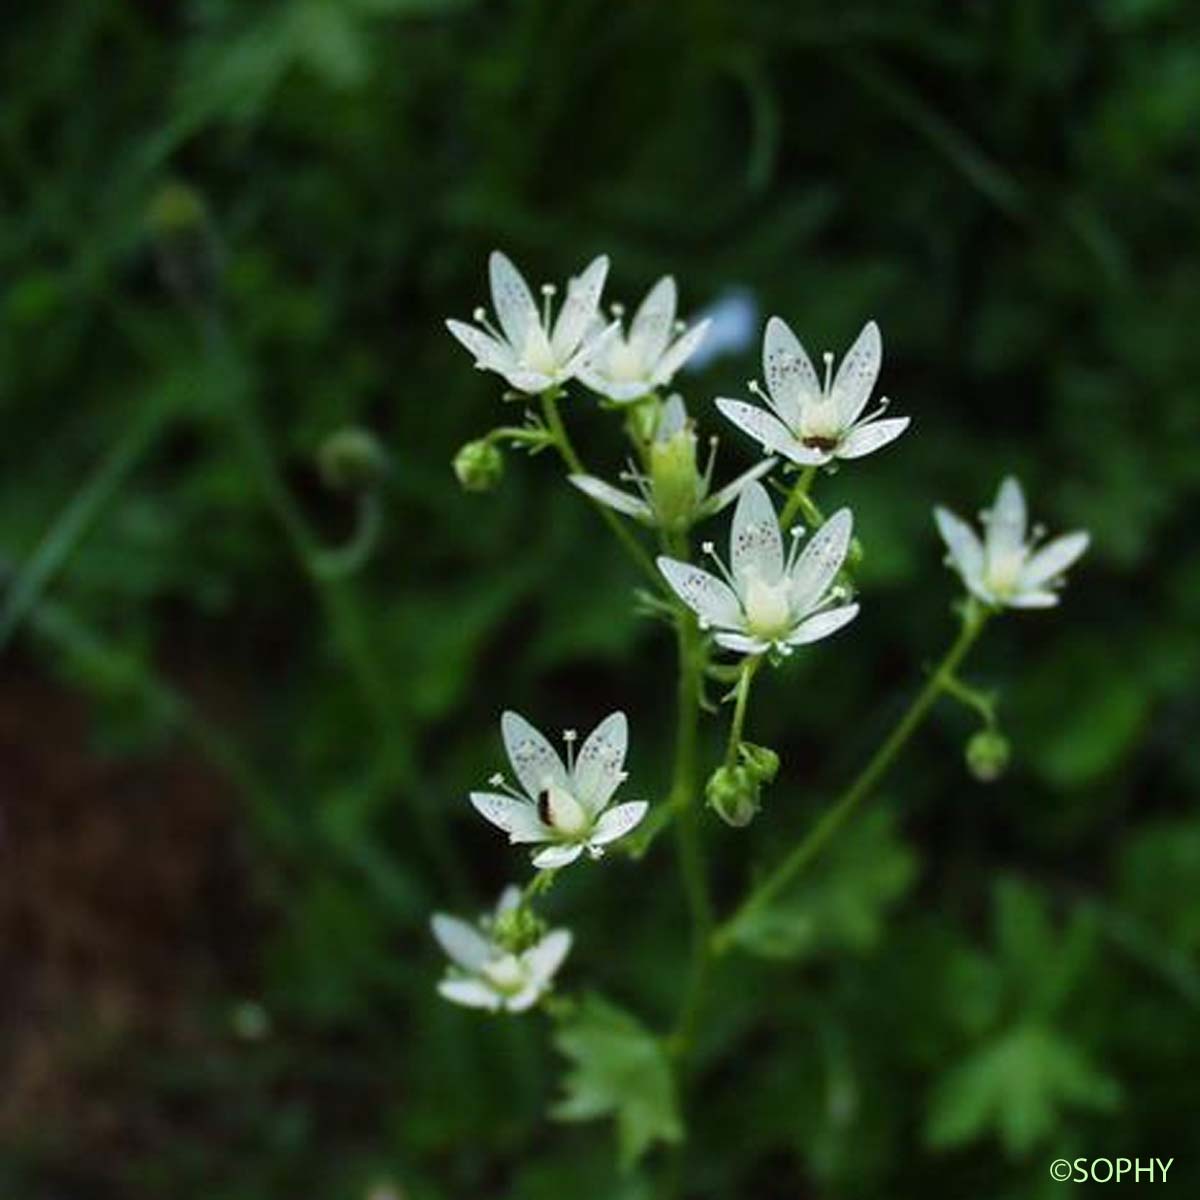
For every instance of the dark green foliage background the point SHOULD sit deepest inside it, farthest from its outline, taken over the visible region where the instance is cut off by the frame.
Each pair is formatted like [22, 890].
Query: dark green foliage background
[996, 977]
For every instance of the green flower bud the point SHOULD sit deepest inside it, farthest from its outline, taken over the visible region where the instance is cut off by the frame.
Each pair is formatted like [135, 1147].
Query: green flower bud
[732, 793]
[674, 479]
[352, 460]
[184, 244]
[479, 466]
[518, 928]
[761, 761]
[988, 754]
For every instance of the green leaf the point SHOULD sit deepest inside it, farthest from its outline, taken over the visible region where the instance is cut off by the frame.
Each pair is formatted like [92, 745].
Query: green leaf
[843, 902]
[620, 1070]
[1015, 1086]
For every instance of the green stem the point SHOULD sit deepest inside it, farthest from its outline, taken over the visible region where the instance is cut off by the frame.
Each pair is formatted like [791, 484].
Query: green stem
[72, 524]
[633, 547]
[745, 679]
[798, 499]
[974, 620]
[335, 593]
[683, 801]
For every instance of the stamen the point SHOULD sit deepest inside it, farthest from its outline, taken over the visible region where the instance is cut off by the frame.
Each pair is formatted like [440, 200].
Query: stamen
[828, 357]
[481, 315]
[680, 326]
[726, 574]
[796, 532]
[569, 736]
[706, 476]
[548, 290]
[753, 387]
[498, 781]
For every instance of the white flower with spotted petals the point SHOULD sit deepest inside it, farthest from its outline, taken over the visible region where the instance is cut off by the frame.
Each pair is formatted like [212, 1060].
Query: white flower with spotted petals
[764, 600]
[1006, 568]
[809, 421]
[484, 972]
[530, 349]
[626, 368]
[565, 805]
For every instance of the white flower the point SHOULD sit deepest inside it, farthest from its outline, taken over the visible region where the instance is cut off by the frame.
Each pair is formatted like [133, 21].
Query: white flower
[627, 368]
[484, 973]
[813, 422]
[565, 805]
[674, 494]
[529, 349]
[766, 601]
[1005, 568]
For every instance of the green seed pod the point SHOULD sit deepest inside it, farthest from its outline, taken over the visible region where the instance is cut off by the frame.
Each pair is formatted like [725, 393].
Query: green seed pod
[675, 479]
[479, 466]
[518, 928]
[760, 761]
[988, 754]
[733, 794]
[352, 460]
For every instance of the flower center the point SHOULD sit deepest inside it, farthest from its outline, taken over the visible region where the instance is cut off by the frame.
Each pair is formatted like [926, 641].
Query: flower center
[562, 812]
[768, 613]
[505, 974]
[819, 425]
[538, 354]
[624, 362]
[1004, 571]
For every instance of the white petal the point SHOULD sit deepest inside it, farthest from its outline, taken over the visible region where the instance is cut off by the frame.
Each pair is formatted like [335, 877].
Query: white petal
[512, 300]
[755, 543]
[531, 383]
[469, 992]
[822, 624]
[544, 959]
[599, 764]
[820, 561]
[769, 432]
[579, 307]
[611, 497]
[463, 943]
[554, 857]
[791, 380]
[524, 1000]
[731, 491]
[617, 822]
[618, 392]
[1007, 521]
[651, 327]
[740, 644]
[857, 374]
[534, 760]
[1053, 559]
[516, 817]
[488, 352]
[671, 419]
[680, 350]
[510, 898]
[710, 598]
[591, 350]
[869, 437]
[964, 545]
[1036, 599]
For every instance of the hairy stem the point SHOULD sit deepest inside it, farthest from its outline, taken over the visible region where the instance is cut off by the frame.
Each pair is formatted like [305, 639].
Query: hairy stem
[745, 679]
[797, 500]
[807, 850]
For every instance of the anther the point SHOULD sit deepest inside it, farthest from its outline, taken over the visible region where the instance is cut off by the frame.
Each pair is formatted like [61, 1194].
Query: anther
[480, 314]
[497, 780]
[708, 547]
[617, 309]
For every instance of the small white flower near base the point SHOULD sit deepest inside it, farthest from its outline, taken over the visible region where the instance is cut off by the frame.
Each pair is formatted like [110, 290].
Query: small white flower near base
[483, 973]
[1005, 569]
[530, 349]
[565, 805]
[809, 421]
[625, 368]
[764, 600]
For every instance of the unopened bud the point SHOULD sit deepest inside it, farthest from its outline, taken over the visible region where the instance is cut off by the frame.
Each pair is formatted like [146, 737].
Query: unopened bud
[732, 793]
[352, 460]
[988, 754]
[760, 761]
[479, 466]
[184, 244]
